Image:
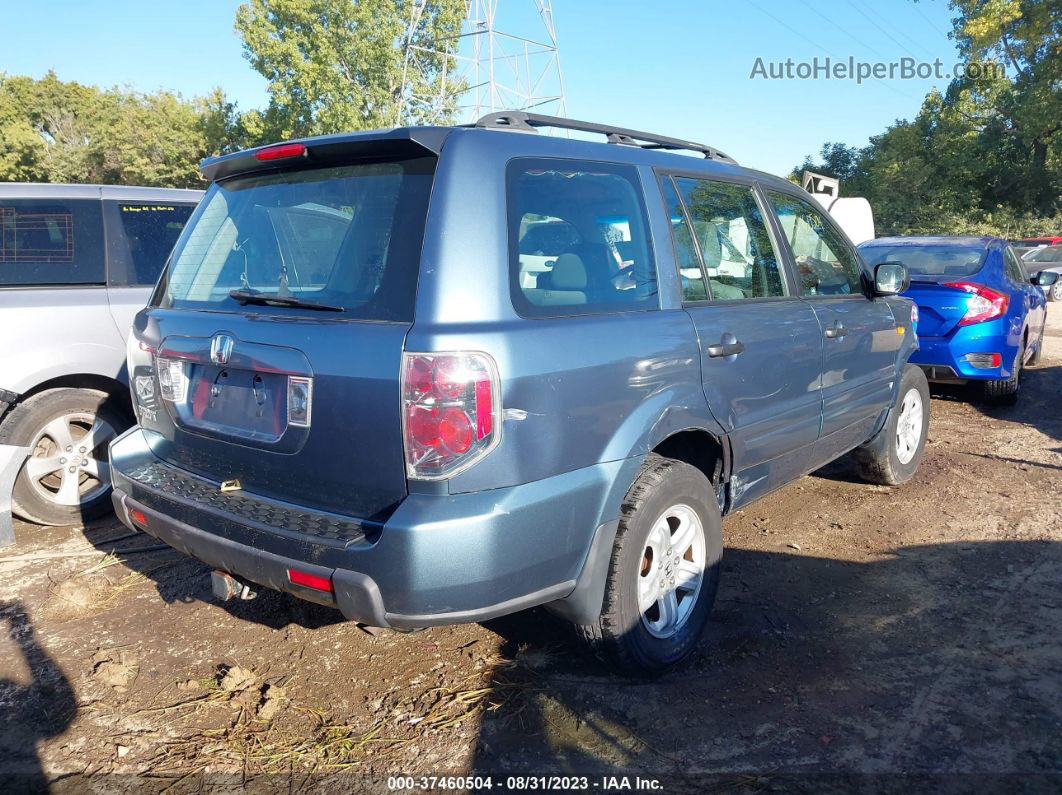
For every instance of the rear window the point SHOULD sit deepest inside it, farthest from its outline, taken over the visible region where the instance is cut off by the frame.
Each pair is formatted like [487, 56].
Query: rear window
[51, 242]
[578, 239]
[341, 236]
[928, 260]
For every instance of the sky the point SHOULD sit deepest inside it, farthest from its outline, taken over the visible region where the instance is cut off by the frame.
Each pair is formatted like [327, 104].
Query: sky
[681, 68]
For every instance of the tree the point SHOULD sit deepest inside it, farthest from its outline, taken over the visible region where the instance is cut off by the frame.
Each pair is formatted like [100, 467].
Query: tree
[337, 65]
[53, 131]
[986, 154]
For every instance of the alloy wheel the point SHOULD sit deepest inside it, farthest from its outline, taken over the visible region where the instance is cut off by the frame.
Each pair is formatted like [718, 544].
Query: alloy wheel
[672, 571]
[68, 461]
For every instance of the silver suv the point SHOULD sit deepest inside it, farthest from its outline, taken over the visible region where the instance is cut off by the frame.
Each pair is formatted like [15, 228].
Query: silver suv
[76, 264]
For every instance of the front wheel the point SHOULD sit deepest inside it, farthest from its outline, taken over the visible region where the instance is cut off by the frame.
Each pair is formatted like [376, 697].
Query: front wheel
[893, 455]
[664, 570]
[1055, 293]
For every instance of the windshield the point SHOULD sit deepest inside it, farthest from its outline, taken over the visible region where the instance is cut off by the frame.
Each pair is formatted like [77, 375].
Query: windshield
[342, 236]
[928, 260]
[1045, 254]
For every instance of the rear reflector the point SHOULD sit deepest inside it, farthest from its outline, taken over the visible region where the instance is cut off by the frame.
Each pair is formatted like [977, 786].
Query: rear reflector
[281, 152]
[137, 517]
[296, 577]
[983, 361]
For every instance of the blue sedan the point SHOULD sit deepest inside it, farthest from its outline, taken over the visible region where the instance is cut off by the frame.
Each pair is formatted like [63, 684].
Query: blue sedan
[980, 318]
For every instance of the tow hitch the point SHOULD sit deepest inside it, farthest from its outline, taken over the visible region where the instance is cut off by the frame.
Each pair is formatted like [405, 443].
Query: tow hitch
[226, 587]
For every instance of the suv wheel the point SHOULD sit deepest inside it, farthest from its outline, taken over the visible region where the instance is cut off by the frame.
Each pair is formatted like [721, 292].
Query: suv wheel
[664, 570]
[893, 455]
[66, 479]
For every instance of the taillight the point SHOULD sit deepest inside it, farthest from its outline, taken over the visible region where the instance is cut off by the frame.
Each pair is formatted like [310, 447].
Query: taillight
[451, 412]
[173, 379]
[984, 302]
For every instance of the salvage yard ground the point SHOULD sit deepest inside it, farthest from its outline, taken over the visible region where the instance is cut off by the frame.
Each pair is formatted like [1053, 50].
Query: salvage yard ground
[862, 634]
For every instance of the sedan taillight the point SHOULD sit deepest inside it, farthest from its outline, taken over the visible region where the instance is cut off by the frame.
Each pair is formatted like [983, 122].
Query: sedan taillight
[984, 302]
[451, 412]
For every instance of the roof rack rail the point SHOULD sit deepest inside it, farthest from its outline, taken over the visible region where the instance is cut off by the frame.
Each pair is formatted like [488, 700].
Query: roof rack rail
[529, 122]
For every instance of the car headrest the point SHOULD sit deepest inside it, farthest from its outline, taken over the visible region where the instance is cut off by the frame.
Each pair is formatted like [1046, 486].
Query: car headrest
[569, 273]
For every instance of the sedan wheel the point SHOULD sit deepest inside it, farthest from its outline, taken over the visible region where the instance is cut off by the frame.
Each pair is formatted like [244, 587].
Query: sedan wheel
[1056, 290]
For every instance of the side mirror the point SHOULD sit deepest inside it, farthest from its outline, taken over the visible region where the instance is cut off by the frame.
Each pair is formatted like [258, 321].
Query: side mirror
[1045, 278]
[891, 278]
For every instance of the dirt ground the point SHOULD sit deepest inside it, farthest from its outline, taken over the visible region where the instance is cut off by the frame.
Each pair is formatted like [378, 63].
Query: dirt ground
[864, 637]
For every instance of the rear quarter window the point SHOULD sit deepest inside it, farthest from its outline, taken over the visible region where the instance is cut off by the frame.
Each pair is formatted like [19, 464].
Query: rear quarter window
[47, 242]
[578, 239]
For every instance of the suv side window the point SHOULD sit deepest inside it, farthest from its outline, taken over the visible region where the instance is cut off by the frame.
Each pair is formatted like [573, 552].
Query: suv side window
[51, 242]
[141, 237]
[689, 264]
[731, 235]
[598, 257]
[825, 265]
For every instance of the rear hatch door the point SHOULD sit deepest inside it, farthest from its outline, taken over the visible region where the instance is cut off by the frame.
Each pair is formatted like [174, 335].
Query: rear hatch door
[277, 333]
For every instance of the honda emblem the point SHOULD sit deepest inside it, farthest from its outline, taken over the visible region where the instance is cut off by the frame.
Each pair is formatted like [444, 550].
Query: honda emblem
[221, 348]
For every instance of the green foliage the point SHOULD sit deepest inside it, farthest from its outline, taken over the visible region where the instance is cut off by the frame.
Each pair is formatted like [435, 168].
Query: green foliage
[336, 65]
[984, 157]
[52, 131]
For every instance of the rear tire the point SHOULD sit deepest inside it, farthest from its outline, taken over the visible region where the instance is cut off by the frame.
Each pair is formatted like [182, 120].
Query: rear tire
[1055, 293]
[666, 559]
[1006, 392]
[60, 484]
[893, 455]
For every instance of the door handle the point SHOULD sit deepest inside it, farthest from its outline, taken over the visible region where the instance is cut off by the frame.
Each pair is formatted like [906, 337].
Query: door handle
[726, 349]
[836, 331]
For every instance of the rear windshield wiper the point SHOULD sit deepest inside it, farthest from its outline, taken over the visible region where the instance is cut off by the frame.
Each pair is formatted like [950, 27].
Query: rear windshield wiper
[246, 296]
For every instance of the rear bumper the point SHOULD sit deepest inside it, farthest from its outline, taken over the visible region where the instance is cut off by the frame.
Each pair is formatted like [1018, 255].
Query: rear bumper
[941, 357]
[438, 559]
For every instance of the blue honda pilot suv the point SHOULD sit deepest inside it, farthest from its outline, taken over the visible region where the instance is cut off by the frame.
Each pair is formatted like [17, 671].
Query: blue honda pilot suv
[440, 374]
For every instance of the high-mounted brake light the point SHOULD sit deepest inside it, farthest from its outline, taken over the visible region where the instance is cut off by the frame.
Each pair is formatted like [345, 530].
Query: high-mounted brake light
[984, 302]
[280, 152]
[451, 412]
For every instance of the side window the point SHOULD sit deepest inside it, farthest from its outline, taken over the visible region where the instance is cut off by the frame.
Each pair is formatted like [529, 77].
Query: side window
[689, 265]
[50, 242]
[1013, 266]
[142, 236]
[732, 237]
[578, 239]
[825, 263]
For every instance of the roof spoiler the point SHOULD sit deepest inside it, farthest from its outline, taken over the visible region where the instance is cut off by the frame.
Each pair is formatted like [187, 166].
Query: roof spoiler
[399, 142]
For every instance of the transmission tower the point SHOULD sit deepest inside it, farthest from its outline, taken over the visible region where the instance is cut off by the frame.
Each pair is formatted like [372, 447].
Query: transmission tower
[508, 62]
